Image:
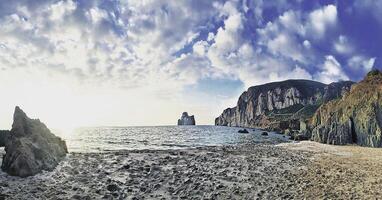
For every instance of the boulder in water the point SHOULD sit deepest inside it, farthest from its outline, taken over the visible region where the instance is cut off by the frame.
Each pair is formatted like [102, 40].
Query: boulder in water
[243, 131]
[264, 133]
[31, 147]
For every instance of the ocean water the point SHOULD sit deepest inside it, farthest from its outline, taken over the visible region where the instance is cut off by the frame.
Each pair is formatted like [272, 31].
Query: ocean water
[103, 139]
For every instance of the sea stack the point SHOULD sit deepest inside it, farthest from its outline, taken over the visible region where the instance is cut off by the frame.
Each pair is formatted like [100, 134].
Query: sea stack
[31, 147]
[186, 120]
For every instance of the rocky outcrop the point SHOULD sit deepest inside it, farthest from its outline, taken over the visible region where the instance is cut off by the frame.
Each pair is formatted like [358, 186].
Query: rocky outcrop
[186, 120]
[280, 105]
[3, 137]
[355, 118]
[31, 147]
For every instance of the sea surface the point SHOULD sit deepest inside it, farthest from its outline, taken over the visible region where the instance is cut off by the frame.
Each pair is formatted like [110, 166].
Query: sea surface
[103, 139]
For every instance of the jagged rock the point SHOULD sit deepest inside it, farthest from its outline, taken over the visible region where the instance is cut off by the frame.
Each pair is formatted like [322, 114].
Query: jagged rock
[280, 105]
[355, 118]
[3, 137]
[186, 120]
[31, 147]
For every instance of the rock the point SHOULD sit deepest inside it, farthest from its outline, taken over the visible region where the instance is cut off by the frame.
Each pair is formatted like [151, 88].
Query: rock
[112, 187]
[288, 132]
[264, 133]
[280, 105]
[243, 131]
[31, 147]
[299, 137]
[355, 118]
[303, 125]
[280, 125]
[3, 137]
[186, 120]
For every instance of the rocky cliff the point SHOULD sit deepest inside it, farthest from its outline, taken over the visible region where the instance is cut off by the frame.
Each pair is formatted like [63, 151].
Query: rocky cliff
[31, 147]
[185, 119]
[355, 118]
[280, 105]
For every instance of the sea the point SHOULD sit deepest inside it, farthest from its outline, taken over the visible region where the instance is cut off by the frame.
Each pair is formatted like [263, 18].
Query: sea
[105, 139]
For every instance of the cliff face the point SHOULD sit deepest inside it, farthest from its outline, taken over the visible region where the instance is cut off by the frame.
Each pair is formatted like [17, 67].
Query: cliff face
[286, 102]
[355, 118]
[186, 120]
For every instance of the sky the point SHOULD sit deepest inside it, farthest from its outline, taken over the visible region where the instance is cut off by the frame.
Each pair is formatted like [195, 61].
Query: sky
[76, 63]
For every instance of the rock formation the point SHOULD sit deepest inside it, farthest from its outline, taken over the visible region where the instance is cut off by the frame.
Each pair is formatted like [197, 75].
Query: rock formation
[355, 118]
[31, 147]
[3, 137]
[186, 120]
[280, 105]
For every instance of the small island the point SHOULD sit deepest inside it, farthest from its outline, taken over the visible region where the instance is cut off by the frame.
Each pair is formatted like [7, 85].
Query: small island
[185, 119]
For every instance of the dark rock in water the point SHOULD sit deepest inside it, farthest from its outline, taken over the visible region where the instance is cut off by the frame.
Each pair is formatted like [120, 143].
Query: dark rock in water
[280, 105]
[31, 147]
[264, 133]
[243, 131]
[3, 137]
[186, 120]
[355, 118]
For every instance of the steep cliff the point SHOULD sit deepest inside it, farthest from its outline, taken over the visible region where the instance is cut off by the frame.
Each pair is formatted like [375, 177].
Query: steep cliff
[280, 105]
[355, 118]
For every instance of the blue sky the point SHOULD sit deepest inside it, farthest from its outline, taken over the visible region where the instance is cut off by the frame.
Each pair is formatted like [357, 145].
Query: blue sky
[140, 62]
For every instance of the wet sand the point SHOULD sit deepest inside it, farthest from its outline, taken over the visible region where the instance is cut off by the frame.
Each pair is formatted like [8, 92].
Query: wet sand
[257, 171]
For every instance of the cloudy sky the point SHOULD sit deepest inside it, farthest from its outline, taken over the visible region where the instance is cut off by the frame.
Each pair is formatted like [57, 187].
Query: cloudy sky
[142, 62]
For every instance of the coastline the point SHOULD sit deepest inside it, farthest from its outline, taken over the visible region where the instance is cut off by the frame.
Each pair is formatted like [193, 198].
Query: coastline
[255, 171]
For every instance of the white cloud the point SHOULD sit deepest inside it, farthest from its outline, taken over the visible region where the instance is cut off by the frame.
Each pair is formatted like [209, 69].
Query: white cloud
[127, 49]
[307, 44]
[96, 15]
[331, 71]
[292, 21]
[285, 45]
[60, 9]
[200, 47]
[362, 63]
[321, 19]
[343, 46]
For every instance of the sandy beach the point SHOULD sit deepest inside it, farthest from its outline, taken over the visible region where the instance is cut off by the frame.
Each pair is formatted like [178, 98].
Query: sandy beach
[340, 172]
[257, 171]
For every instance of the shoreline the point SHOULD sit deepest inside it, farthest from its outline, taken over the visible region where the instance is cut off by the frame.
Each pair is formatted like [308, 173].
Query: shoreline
[257, 171]
[248, 171]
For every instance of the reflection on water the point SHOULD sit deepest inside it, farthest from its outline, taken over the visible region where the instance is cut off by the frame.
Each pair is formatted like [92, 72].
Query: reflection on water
[161, 137]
